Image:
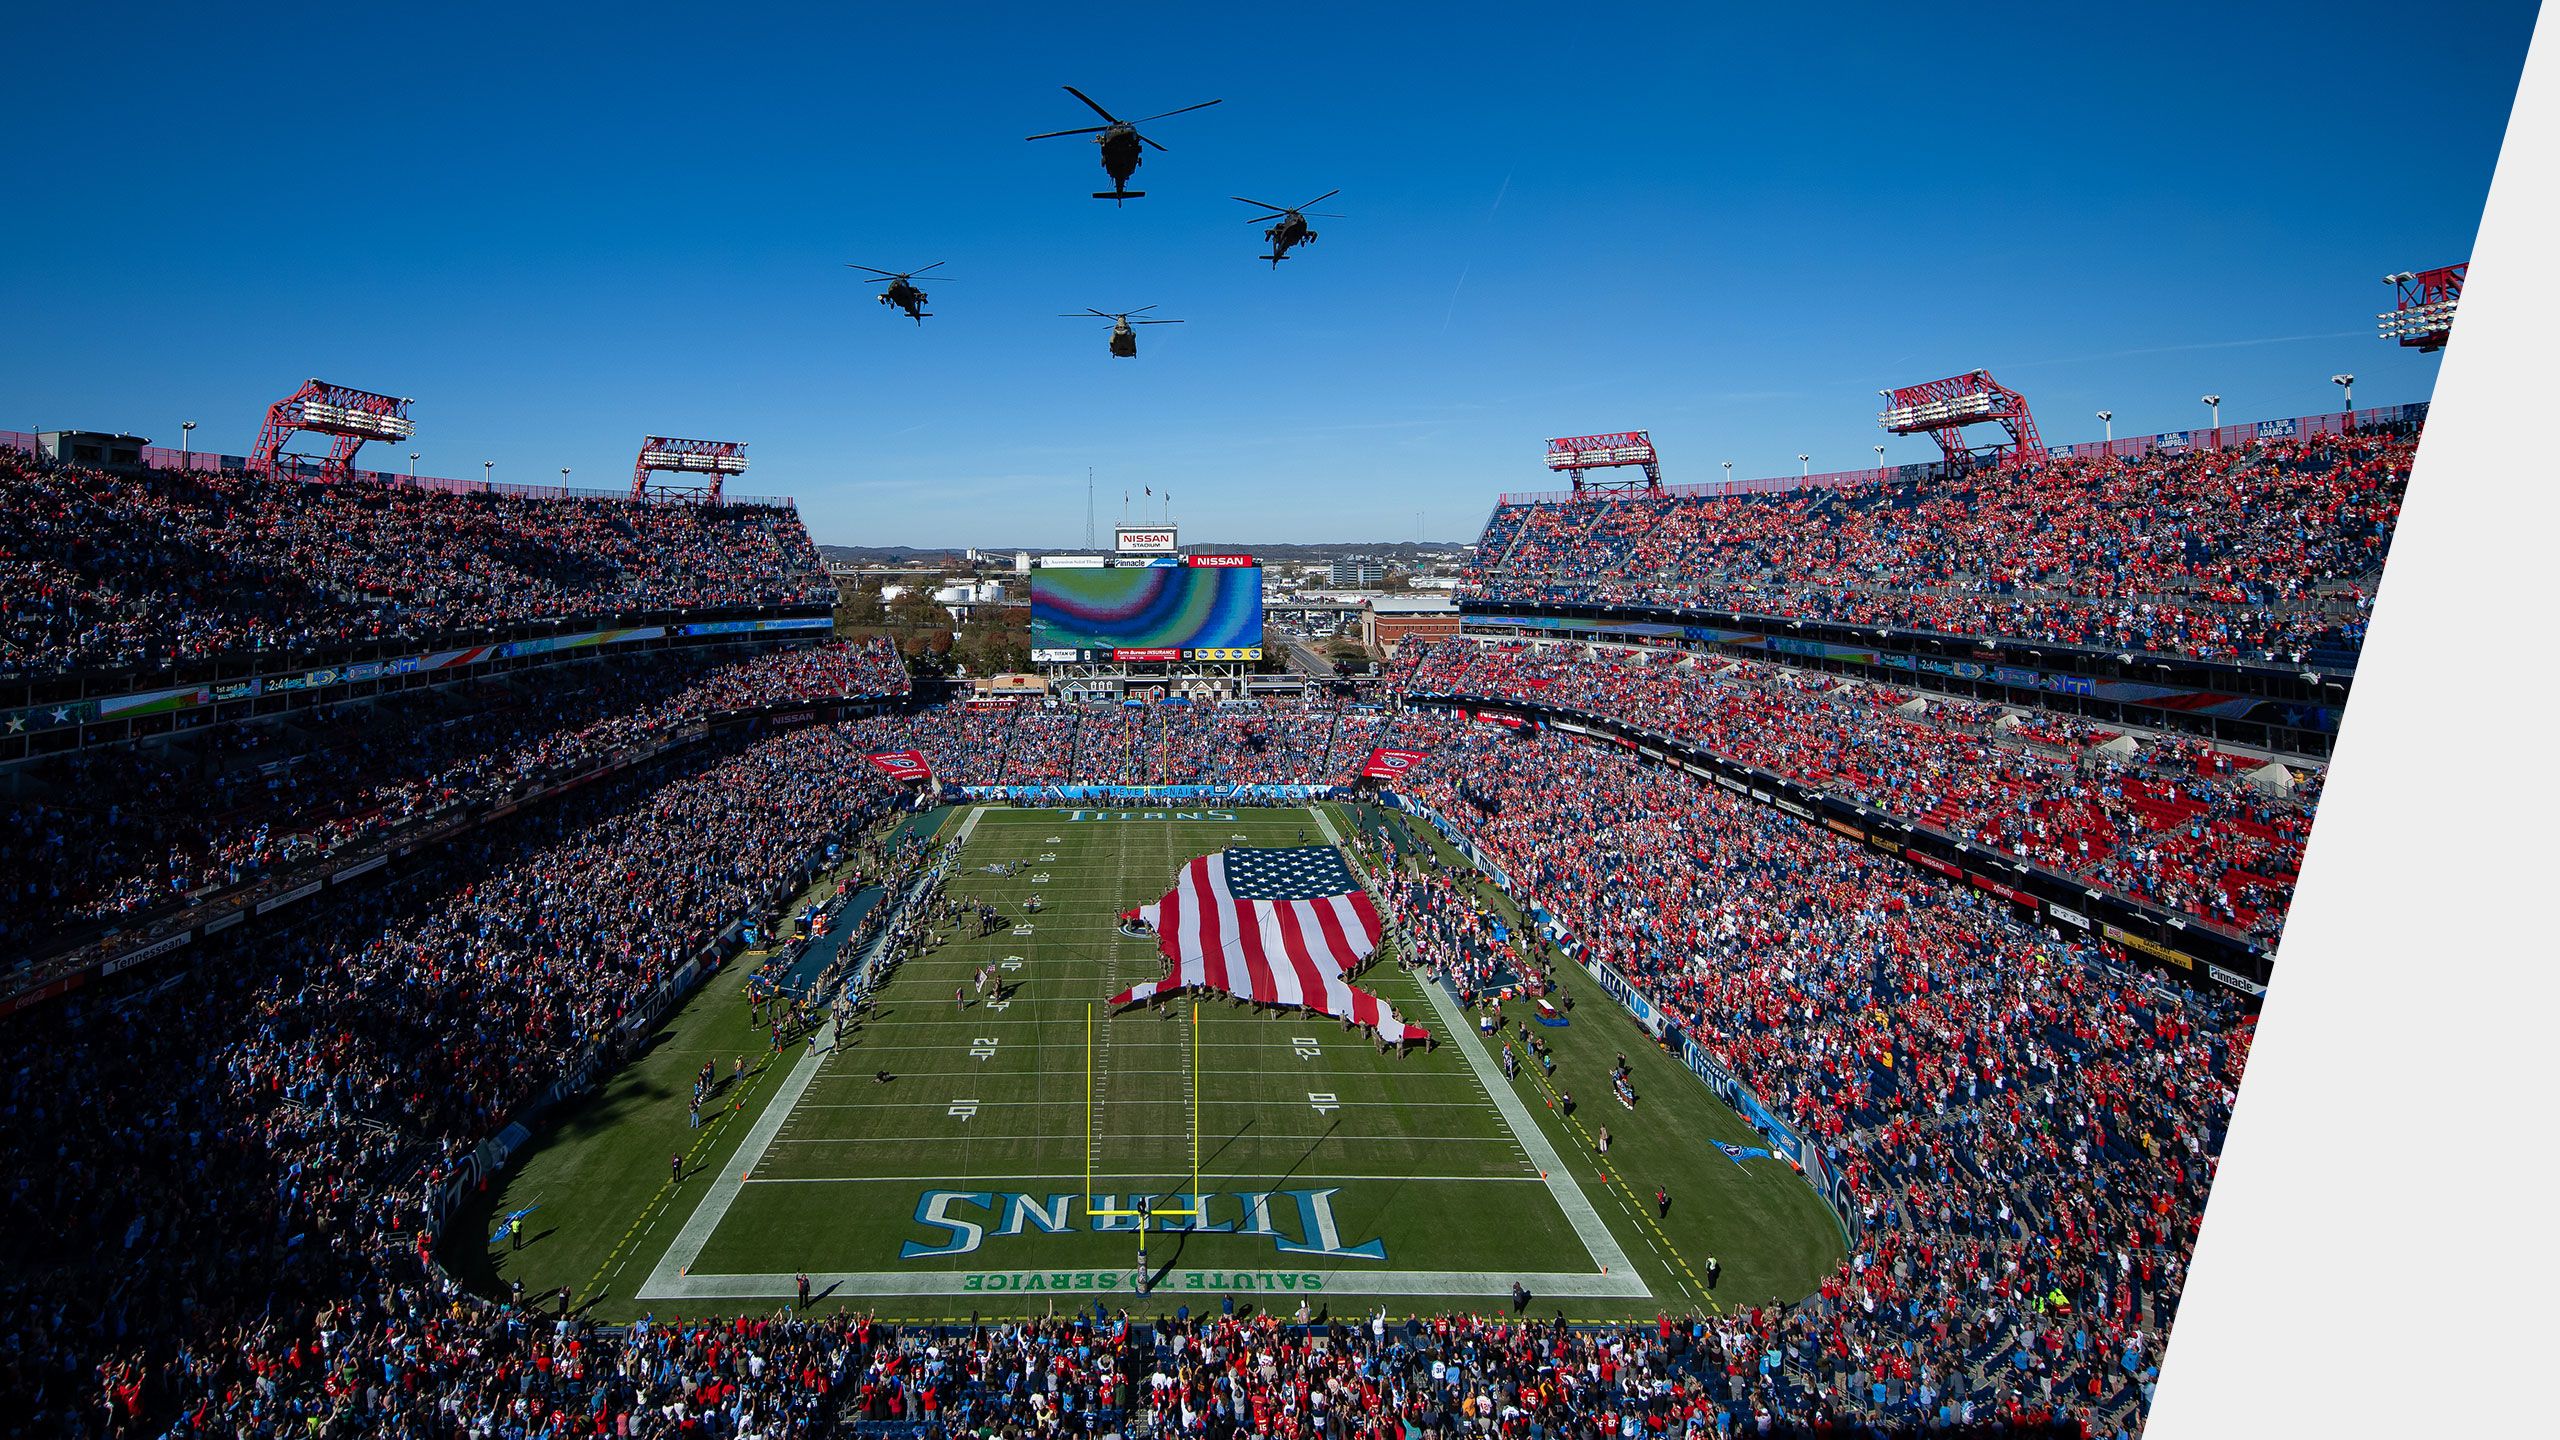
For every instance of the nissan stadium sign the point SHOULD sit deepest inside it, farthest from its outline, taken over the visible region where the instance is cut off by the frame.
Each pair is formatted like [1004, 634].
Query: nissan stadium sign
[1146, 540]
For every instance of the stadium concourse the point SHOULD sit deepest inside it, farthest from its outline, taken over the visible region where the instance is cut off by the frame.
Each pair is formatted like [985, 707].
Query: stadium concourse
[240, 1150]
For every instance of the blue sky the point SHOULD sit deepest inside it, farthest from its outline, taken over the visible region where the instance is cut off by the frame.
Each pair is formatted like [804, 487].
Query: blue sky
[1728, 225]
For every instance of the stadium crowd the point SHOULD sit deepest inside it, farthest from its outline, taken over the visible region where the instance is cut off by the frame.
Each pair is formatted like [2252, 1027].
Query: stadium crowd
[125, 831]
[2264, 553]
[2169, 821]
[2029, 1126]
[232, 1168]
[101, 570]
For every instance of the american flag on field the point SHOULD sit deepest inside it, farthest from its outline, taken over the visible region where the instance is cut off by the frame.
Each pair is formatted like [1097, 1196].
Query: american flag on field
[1274, 926]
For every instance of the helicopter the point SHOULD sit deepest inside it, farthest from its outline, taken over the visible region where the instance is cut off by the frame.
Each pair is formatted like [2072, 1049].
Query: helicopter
[1292, 229]
[1124, 341]
[902, 292]
[1119, 141]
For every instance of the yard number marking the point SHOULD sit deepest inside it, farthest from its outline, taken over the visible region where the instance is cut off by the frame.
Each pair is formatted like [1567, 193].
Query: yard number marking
[963, 1109]
[1307, 1047]
[1021, 929]
[1324, 1101]
[1011, 962]
[982, 1048]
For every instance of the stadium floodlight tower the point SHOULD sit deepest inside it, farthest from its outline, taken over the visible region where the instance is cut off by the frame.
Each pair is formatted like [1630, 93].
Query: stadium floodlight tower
[1626, 449]
[348, 417]
[1942, 408]
[714, 461]
[2423, 320]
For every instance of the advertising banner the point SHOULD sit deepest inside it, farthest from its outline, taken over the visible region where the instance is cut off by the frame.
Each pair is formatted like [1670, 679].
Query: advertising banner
[2150, 947]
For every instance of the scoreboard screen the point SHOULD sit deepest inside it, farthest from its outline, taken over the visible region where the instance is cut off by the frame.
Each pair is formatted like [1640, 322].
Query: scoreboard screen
[1154, 613]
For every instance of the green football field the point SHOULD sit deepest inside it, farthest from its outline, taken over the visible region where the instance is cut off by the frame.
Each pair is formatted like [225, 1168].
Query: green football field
[990, 1154]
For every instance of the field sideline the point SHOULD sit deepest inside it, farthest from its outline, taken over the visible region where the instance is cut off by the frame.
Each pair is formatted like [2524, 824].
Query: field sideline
[1327, 1169]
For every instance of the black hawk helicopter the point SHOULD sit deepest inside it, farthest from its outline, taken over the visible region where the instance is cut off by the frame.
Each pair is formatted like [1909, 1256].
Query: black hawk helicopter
[1292, 229]
[1124, 341]
[1119, 141]
[902, 292]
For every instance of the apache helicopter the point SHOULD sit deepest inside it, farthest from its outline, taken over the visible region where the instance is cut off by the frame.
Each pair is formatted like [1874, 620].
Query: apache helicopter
[901, 292]
[1119, 141]
[1124, 341]
[1292, 229]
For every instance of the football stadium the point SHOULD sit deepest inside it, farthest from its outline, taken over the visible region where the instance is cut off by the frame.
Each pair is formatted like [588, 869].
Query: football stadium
[1757, 953]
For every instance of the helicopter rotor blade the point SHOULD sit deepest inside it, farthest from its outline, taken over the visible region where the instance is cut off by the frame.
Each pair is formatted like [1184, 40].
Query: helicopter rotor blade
[1150, 144]
[936, 265]
[1321, 214]
[1054, 134]
[1155, 322]
[1141, 310]
[1088, 101]
[1329, 194]
[1080, 314]
[883, 274]
[1265, 204]
[1185, 110]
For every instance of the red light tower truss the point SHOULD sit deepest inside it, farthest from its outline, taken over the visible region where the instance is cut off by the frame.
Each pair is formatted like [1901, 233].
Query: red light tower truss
[1942, 408]
[2423, 320]
[1625, 448]
[350, 417]
[712, 461]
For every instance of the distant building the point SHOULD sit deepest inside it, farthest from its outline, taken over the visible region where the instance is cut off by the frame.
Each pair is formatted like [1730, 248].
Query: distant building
[1359, 574]
[92, 448]
[1387, 621]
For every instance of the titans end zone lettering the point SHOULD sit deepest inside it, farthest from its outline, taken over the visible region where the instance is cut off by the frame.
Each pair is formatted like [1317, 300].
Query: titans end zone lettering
[1151, 815]
[1250, 1212]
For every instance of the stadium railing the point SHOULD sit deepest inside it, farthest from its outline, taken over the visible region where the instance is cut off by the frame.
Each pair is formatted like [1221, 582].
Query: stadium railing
[157, 457]
[2226, 437]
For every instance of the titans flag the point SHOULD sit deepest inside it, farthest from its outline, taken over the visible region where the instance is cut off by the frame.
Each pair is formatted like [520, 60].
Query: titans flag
[902, 765]
[1276, 927]
[1739, 1153]
[1386, 764]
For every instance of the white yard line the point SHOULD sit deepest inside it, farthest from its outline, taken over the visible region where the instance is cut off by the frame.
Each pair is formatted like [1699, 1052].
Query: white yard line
[731, 1178]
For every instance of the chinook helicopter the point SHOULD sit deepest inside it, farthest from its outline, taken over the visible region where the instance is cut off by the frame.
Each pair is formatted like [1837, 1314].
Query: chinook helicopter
[1124, 341]
[902, 291]
[1119, 141]
[1292, 229]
